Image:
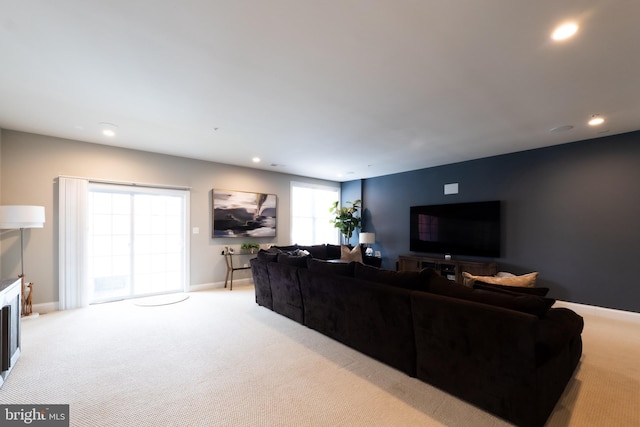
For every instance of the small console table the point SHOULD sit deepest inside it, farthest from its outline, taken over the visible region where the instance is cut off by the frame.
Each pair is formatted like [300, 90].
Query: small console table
[450, 268]
[228, 257]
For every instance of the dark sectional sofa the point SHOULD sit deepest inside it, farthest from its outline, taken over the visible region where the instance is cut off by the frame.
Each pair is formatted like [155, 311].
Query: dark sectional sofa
[508, 353]
[325, 252]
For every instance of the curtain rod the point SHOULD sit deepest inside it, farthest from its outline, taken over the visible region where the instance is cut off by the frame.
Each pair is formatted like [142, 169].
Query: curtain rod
[133, 184]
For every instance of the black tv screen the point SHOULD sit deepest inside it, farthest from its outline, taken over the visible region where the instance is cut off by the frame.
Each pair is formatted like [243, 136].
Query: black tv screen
[471, 229]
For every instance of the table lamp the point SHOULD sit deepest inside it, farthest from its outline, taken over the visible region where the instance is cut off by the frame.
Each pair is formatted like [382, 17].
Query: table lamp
[368, 239]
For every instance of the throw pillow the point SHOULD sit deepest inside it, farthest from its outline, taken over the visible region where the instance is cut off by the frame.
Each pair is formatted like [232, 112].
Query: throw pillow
[354, 254]
[531, 304]
[525, 281]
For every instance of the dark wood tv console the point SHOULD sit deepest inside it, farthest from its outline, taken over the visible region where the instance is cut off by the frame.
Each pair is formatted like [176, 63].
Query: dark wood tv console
[449, 268]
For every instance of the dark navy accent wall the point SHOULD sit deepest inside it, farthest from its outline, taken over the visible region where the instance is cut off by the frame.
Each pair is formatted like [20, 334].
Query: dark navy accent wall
[570, 212]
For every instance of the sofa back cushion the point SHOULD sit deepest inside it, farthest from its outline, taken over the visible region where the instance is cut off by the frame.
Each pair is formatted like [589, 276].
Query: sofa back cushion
[414, 280]
[333, 251]
[289, 248]
[316, 251]
[327, 267]
[294, 260]
[267, 255]
[531, 304]
[380, 322]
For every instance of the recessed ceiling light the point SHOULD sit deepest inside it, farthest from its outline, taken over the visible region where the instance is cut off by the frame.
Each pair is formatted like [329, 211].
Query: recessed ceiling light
[256, 160]
[564, 31]
[108, 129]
[596, 120]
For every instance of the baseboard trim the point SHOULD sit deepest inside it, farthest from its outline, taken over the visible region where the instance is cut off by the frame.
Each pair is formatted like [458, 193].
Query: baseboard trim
[592, 310]
[218, 285]
[46, 307]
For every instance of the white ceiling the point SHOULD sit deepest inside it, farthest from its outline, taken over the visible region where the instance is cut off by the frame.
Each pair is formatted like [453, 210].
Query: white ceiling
[361, 88]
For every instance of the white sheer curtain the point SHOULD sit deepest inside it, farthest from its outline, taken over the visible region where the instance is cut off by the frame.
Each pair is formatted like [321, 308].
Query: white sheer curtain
[73, 287]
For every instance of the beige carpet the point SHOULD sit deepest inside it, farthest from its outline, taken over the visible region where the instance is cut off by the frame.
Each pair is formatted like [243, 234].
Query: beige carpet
[218, 359]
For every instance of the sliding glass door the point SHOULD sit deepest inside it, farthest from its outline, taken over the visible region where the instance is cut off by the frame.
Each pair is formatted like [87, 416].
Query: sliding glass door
[136, 241]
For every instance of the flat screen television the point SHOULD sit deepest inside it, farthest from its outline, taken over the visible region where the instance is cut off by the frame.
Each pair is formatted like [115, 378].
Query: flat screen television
[471, 229]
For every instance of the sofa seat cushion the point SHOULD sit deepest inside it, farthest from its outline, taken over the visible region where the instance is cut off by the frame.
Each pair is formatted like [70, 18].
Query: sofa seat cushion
[531, 304]
[414, 280]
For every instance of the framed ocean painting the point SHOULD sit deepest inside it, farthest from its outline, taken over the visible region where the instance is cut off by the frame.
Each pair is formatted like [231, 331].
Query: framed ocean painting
[243, 214]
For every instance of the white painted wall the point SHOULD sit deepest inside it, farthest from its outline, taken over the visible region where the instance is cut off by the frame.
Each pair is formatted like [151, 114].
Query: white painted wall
[30, 163]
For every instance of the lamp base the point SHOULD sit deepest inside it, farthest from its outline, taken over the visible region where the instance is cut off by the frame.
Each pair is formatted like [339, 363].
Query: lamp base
[27, 297]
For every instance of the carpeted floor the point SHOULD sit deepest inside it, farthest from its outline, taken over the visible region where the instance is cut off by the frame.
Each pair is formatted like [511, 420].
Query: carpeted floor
[218, 359]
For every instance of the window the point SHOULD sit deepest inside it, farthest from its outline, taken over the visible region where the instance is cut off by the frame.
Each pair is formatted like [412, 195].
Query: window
[310, 214]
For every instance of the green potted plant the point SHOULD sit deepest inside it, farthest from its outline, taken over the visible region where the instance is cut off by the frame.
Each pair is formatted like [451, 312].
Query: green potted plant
[250, 247]
[345, 218]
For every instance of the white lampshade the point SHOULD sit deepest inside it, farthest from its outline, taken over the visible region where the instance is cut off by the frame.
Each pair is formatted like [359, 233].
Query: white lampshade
[12, 217]
[367, 238]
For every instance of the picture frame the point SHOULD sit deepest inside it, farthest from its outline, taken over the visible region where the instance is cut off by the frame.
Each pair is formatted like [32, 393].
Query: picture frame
[243, 214]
